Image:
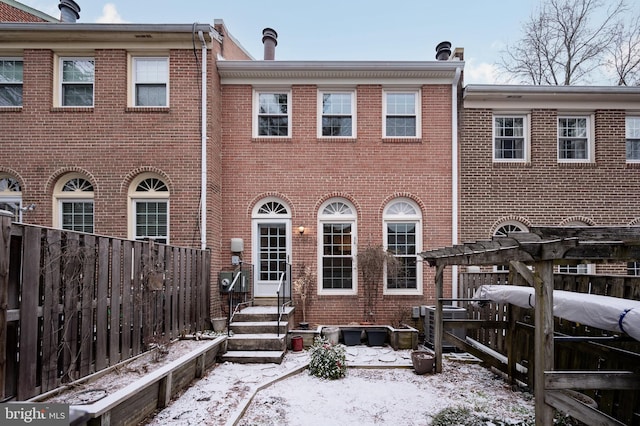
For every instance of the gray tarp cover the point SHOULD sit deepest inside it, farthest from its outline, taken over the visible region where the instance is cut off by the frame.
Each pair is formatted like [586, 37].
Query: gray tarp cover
[604, 312]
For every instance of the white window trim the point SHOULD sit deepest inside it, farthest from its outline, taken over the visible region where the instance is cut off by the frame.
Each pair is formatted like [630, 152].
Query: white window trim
[354, 124]
[591, 269]
[418, 108]
[135, 197]
[268, 288]
[62, 200]
[354, 246]
[508, 223]
[133, 82]
[526, 135]
[16, 59]
[59, 77]
[14, 199]
[417, 219]
[77, 196]
[590, 139]
[637, 117]
[256, 109]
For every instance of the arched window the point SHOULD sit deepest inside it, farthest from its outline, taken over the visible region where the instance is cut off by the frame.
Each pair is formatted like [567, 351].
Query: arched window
[11, 196]
[336, 247]
[271, 220]
[502, 231]
[73, 204]
[149, 208]
[580, 268]
[403, 237]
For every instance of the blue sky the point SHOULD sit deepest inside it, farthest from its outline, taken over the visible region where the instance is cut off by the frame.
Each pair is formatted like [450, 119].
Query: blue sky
[340, 29]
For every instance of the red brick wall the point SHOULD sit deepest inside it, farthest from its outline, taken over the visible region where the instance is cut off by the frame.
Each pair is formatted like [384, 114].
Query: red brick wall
[545, 192]
[229, 49]
[12, 14]
[305, 171]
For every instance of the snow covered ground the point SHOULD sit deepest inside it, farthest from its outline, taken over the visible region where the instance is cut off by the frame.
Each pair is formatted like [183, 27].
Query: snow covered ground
[386, 392]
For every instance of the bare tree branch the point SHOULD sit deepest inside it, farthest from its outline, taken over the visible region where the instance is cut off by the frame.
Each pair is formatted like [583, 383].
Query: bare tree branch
[625, 53]
[564, 42]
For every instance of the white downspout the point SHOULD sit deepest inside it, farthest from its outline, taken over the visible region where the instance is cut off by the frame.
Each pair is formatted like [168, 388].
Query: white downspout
[203, 161]
[454, 177]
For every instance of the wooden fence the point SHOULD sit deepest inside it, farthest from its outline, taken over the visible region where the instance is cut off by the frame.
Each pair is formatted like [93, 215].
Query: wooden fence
[72, 304]
[577, 347]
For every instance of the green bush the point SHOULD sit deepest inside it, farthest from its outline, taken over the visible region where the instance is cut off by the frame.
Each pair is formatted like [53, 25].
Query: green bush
[460, 416]
[328, 361]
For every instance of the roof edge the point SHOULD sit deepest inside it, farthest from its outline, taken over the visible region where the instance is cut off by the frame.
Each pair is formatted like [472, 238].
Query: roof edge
[30, 10]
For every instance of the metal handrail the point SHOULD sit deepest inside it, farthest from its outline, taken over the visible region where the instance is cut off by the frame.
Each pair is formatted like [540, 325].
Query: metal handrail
[281, 281]
[231, 292]
[285, 281]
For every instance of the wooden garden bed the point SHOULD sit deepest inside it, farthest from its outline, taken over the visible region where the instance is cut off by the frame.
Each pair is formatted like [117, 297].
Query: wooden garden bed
[135, 389]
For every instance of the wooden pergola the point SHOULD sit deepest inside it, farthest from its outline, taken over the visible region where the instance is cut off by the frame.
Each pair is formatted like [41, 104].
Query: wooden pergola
[543, 248]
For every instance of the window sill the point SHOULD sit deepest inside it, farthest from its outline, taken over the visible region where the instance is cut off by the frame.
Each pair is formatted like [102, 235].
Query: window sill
[338, 293]
[272, 140]
[337, 140]
[511, 164]
[577, 165]
[402, 140]
[394, 292]
[73, 110]
[11, 109]
[163, 110]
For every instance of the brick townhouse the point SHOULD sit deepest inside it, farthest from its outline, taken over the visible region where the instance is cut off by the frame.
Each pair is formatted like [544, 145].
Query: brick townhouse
[104, 125]
[549, 155]
[323, 159]
[307, 162]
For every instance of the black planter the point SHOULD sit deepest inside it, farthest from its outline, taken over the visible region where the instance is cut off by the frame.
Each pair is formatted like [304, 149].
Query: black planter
[303, 326]
[376, 336]
[351, 336]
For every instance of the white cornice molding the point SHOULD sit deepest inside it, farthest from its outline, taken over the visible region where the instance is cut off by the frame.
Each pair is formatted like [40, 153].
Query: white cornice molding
[337, 72]
[587, 98]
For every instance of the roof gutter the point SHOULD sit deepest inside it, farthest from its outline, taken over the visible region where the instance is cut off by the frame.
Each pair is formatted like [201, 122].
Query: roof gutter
[82, 27]
[455, 193]
[203, 145]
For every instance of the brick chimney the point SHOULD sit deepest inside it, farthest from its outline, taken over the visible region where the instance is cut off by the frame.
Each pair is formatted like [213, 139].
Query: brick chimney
[69, 11]
[270, 41]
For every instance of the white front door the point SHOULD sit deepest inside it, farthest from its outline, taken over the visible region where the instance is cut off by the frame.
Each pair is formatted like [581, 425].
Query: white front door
[270, 245]
[271, 254]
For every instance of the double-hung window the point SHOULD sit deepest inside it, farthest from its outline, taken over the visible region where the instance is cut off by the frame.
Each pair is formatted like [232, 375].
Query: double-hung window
[401, 114]
[150, 209]
[503, 231]
[510, 138]
[574, 139]
[633, 139]
[337, 117]
[74, 195]
[76, 82]
[403, 238]
[336, 247]
[150, 82]
[11, 82]
[11, 196]
[273, 114]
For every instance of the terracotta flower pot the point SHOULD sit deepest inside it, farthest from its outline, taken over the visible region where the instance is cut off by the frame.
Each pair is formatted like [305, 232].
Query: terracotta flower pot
[423, 361]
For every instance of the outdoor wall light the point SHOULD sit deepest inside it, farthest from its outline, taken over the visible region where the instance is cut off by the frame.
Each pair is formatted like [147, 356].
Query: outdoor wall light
[300, 229]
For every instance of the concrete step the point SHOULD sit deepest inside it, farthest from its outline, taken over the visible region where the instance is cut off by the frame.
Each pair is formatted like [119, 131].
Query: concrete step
[253, 357]
[257, 342]
[262, 313]
[259, 327]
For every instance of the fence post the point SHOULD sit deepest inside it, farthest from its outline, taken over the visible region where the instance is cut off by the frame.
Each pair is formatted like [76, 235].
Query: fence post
[5, 240]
